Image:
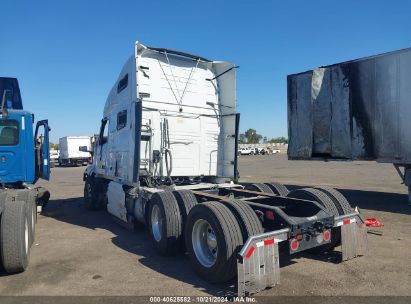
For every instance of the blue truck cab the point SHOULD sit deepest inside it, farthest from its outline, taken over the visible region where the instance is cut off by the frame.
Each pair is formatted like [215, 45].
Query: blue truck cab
[19, 159]
[24, 158]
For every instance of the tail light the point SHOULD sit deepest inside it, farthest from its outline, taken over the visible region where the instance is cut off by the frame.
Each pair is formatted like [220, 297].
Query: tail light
[327, 235]
[269, 215]
[294, 244]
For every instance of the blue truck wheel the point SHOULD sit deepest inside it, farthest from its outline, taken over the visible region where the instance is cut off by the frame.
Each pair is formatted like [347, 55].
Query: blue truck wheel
[15, 237]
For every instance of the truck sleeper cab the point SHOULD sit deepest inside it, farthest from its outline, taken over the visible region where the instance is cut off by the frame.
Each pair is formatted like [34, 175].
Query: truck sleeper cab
[166, 156]
[24, 159]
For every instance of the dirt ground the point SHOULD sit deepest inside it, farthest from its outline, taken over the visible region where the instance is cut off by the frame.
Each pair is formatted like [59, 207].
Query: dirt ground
[78, 252]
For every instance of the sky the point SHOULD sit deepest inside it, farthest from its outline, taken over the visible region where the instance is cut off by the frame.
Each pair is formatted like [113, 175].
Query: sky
[68, 54]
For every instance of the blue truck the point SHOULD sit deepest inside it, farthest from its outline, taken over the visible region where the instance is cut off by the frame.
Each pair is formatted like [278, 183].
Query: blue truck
[24, 158]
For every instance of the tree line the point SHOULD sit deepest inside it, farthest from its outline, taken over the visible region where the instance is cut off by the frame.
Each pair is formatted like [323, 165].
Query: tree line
[54, 146]
[248, 137]
[252, 137]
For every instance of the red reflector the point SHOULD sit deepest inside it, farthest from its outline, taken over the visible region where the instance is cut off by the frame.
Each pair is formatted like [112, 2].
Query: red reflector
[346, 222]
[250, 252]
[327, 235]
[294, 244]
[268, 242]
[269, 215]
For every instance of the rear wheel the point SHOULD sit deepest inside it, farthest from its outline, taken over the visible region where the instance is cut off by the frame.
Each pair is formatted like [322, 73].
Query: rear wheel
[30, 197]
[343, 207]
[339, 200]
[316, 195]
[213, 240]
[32, 218]
[94, 194]
[259, 187]
[15, 237]
[278, 189]
[249, 223]
[186, 201]
[90, 198]
[165, 223]
[324, 200]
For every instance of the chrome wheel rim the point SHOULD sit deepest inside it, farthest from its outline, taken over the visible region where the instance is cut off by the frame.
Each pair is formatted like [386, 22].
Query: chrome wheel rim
[156, 223]
[26, 236]
[204, 243]
[33, 218]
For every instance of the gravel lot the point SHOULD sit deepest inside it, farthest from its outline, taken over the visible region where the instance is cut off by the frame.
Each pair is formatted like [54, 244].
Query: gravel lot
[78, 252]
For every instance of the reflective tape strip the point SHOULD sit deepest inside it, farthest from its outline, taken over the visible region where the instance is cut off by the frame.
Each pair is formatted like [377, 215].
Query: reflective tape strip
[346, 222]
[269, 242]
[22, 123]
[260, 244]
[249, 252]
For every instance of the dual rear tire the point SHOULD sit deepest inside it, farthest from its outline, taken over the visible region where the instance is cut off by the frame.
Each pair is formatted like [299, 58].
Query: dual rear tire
[165, 223]
[212, 233]
[166, 217]
[270, 188]
[213, 240]
[334, 202]
[215, 233]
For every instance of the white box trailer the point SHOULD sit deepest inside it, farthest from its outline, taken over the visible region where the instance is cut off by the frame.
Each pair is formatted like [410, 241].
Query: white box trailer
[166, 156]
[69, 150]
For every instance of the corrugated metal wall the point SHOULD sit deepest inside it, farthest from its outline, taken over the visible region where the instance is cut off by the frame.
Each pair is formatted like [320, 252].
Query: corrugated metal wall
[354, 110]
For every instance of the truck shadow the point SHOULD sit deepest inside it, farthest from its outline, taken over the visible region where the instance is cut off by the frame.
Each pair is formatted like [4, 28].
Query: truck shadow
[373, 200]
[73, 211]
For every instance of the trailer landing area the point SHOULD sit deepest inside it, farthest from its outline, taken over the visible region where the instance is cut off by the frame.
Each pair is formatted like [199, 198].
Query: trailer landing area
[78, 254]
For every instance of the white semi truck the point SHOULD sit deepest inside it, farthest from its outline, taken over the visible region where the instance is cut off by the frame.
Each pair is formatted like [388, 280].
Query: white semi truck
[166, 156]
[70, 153]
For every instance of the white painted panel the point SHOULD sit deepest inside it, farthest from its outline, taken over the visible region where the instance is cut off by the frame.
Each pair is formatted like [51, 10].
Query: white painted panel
[69, 146]
[116, 201]
[185, 144]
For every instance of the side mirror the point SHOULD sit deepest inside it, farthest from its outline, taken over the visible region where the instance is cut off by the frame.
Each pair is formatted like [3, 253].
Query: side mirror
[84, 149]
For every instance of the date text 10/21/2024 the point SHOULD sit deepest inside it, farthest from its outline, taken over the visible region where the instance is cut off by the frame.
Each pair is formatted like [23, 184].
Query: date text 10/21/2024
[201, 299]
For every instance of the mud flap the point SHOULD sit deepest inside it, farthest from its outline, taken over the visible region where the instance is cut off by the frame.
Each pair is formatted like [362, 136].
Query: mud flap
[258, 262]
[353, 235]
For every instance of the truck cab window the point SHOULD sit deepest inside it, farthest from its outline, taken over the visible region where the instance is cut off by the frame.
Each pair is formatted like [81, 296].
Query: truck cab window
[122, 84]
[121, 119]
[9, 132]
[39, 147]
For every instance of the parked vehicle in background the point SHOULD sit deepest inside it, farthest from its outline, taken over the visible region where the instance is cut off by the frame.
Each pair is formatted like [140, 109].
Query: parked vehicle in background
[54, 157]
[70, 155]
[275, 151]
[169, 161]
[24, 159]
[246, 151]
[261, 151]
